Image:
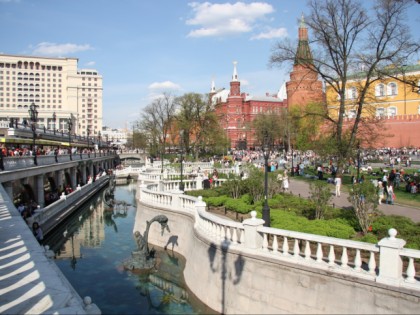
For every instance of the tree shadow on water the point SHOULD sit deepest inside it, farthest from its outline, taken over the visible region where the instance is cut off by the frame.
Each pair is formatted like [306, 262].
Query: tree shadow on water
[220, 265]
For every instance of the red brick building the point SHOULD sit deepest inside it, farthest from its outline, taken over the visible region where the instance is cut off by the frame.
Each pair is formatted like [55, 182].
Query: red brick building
[237, 110]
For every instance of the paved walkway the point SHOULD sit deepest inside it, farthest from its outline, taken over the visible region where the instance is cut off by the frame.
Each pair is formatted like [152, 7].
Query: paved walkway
[301, 187]
[30, 283]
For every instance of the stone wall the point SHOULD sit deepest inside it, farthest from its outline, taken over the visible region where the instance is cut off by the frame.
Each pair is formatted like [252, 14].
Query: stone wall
[234, 280]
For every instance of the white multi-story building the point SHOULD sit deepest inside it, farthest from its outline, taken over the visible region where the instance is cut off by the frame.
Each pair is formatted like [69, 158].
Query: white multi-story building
[59, 90]
[116, 137]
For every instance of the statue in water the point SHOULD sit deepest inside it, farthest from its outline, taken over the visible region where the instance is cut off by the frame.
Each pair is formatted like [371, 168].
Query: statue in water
[143, 258]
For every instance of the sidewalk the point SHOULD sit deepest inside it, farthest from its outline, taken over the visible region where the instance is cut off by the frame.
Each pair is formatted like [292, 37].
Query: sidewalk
[300, 187]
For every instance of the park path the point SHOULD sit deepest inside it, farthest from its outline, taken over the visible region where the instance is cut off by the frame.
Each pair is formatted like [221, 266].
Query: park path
[301, 188]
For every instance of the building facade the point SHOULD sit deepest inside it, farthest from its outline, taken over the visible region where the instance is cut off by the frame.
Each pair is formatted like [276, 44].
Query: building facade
[60, 91]
[237, 110]
[393, 104]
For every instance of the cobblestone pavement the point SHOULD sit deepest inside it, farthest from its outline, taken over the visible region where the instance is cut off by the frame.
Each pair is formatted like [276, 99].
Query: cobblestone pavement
[300, 187]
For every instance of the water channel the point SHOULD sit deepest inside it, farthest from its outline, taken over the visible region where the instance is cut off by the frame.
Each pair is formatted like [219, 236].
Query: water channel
[91, 247]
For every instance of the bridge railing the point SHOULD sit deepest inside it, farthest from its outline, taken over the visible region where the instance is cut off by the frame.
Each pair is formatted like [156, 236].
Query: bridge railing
[380, 262]
[11, 163]
[47, 213]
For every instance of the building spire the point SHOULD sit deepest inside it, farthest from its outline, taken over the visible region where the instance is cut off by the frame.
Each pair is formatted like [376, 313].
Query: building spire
[303, 53]
[235, 73]
[213, 87]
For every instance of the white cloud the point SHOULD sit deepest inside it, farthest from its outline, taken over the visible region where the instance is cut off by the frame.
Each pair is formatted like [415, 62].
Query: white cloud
[225, 18]
[52, 49]
[271, 33]
[166, 85]
[90, 63]
[7, 1]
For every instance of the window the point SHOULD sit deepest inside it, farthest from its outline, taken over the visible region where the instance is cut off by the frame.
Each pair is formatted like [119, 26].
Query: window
[392, 88]
[352, 94]
[392, 111]
[380, 112]
[380, 90]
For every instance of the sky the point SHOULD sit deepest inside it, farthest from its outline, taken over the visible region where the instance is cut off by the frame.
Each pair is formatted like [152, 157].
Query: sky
[143, 48]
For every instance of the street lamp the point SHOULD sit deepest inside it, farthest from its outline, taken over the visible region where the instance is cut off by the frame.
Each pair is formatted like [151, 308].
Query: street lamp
[70, 126]
[33, 115]
[181, 135]
[266, 208]
[54, 120]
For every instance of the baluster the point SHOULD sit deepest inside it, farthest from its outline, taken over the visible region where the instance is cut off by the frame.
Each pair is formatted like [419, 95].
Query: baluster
[296, 248]
[307, 250]
[357, 261]
[275, 245]
[331, 256]
[411, 271]
[372, 263]
[319, 253]
[265, 242]
[228, 233]
[242, 236]
[285, 247]
[235, 232]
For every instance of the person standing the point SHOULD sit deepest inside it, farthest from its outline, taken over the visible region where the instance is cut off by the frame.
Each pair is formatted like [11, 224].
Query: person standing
[390, 193]
[381, 192]
[337, 182]
[285, 181]
[36, 229]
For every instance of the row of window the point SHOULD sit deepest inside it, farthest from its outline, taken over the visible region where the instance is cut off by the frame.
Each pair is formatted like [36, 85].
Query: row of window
[381, 90]
[380, 112]
[29, 65]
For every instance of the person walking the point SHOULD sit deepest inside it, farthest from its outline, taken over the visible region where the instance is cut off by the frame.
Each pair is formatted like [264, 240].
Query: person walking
[337, 182]
[285, 181]
[381, 192]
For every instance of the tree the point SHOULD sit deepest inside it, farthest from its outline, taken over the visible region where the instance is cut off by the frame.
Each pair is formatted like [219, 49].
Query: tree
[364, 199]
[157, 119]
[199, 124]
[272, 125]
[320, 195]
[352, 45]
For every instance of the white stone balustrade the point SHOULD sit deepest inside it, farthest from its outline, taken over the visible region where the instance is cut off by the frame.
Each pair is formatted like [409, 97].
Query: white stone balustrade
[380, 262]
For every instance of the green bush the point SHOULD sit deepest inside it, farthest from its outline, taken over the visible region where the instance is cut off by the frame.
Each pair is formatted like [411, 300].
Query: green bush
[216, 201]
[238, 206]
[246, 198]
[205, 193]
[406, 228]
[368, 238]
[290, 221]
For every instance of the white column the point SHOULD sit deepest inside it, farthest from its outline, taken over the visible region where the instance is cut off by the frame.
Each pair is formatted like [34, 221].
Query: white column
[390, 263]
[253, 239]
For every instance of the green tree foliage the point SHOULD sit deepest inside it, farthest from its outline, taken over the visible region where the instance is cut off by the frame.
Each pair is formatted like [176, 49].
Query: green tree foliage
[200, 124]
[364, 199]
[270, 125]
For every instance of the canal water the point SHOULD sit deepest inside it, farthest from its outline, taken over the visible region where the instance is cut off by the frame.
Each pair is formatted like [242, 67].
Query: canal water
[91, 247]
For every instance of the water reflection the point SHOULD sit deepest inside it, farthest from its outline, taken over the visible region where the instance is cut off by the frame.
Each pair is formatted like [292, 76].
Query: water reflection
[90, 249]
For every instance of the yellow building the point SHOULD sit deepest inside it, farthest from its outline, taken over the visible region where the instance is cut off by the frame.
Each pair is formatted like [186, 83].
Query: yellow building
[385, 98]
[395, 104]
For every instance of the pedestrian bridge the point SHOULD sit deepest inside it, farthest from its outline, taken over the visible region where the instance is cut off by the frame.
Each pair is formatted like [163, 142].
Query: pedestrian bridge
[249, 268]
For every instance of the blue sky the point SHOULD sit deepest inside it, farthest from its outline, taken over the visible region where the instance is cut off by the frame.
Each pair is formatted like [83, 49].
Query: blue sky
[143, 48]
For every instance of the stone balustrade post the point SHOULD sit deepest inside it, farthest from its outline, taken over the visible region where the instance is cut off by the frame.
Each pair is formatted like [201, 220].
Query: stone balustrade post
[200, 205]
[391, 267]
[176, 201]
[253, 239]
[199, 182]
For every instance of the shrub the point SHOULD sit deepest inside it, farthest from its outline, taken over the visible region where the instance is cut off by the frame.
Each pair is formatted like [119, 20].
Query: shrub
[238, 206]
[216, 201]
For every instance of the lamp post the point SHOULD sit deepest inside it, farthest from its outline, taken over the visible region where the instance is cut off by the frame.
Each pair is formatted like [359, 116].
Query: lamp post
[69, 127]
[181, 135]
[33, 114]
[266, 208]
[54, 120]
